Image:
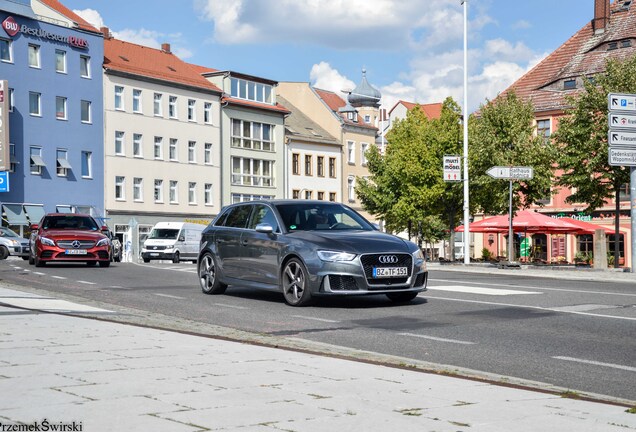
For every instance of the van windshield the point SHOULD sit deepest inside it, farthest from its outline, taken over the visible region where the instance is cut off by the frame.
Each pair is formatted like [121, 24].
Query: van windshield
[164, 233]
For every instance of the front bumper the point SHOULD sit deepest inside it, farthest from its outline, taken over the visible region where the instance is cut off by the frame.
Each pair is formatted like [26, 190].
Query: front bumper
[20, 250]
[50, 253]
[157, 255]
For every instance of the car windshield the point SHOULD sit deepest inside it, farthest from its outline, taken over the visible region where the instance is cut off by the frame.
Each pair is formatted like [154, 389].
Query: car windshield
[164, 233]
[70, 222]
[6, 232]
[321, 217]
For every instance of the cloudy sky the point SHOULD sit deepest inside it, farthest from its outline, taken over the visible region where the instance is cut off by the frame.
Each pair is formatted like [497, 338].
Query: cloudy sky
[411, 49]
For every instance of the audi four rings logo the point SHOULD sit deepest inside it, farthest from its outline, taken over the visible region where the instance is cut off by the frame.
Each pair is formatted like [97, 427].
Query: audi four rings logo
[76, 244]
[388, 259]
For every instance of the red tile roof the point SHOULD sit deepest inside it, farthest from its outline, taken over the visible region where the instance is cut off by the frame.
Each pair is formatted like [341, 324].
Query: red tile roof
[584, 54]
[335, 102]
[148, 62]
[235, 101]
[59, 7]
[432, 111]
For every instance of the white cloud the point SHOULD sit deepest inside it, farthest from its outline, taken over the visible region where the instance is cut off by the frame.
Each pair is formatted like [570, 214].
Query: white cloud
[92, 16]
[324, 77]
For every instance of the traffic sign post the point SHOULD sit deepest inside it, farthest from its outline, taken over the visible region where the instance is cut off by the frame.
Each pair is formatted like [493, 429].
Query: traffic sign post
[622, 147]
[452, 168]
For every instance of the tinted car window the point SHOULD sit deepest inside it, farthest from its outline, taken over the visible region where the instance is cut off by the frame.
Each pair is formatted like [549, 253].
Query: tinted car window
[312, 216]
[69, 222]
[237, 218]
[263, 215]
[221, 220]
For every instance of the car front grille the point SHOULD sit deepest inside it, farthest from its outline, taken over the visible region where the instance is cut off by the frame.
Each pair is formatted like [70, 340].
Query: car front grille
[154, 248]
[68, 244]
[342, 283]
[373, 260]
[420, 279]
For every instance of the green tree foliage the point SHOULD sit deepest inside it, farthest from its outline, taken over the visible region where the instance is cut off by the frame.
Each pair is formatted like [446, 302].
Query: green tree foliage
[582, 137]
[406, 184]
[504, 135]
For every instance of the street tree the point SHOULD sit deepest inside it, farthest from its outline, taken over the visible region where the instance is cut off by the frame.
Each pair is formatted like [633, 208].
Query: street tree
[581, 140]
[503, 134]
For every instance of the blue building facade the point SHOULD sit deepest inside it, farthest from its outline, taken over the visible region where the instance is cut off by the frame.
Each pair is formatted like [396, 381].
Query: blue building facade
[53, 71]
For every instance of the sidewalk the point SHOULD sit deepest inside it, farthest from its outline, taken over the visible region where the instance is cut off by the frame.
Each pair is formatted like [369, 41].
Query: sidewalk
[94, 375]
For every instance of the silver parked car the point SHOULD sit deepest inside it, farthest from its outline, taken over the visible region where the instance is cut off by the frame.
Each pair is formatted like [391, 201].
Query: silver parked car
[307, 249]
[13, 244]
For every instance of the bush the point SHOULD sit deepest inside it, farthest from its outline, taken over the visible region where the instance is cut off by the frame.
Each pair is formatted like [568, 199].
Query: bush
[486, 254]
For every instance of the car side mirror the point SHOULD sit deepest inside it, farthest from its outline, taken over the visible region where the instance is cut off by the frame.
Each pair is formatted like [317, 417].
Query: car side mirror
[182, 238]
[34, 227]
[264, 228]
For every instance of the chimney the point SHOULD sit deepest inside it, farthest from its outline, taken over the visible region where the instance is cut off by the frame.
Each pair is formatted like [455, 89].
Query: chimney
[601, 15]
[165, 47]
[106, 32]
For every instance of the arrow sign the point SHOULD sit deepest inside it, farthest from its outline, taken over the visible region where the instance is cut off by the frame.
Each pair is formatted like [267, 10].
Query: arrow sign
[512, 173]
[622, 139]
[621, 102]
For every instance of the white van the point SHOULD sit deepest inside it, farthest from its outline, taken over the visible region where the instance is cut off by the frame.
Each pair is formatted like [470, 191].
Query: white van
[176, 241]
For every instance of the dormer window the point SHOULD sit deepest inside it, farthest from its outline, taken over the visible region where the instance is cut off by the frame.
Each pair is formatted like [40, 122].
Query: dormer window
[251, 90]
[626, 43]
[569, 84]
[612, 46]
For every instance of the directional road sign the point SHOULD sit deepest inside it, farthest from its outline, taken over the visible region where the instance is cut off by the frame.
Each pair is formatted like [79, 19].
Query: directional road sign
[621, 157]
[452, 168]
[622, 121]
[621, 102]
[4, 181]
[622, 139]
[511, 173]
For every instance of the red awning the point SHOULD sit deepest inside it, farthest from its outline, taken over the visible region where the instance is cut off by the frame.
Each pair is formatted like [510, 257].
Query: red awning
[527, 222]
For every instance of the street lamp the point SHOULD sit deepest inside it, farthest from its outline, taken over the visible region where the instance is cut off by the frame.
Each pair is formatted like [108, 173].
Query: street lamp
[466, 203]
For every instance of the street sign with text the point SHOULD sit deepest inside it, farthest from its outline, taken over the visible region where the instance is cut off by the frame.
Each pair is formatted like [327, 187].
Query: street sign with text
[4, 181]
[622, 139]
[621, 157]
[621, 102]
[452, 168]
[511, 173]
[622, 121]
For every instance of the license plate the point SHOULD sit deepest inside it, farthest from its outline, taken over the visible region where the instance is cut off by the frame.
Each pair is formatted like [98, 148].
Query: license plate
[386, 272]
[76, 252]
[154, 254]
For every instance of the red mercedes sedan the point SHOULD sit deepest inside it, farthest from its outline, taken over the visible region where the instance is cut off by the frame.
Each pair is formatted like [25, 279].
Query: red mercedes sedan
[69, 237]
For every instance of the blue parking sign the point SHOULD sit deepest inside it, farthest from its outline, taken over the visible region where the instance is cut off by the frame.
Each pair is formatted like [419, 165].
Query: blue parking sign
[4, 181]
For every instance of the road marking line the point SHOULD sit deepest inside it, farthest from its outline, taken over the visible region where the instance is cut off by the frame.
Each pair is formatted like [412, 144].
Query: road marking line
[315, 319]
[595, 363]
[86, 282]
[437, 338]
[58, 277]
[478, 290]
[230, 306]
[39, 273]
[169, 296]
[534, 307]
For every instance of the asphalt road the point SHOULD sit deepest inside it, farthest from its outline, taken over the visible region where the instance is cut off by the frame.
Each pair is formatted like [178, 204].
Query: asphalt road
[573, 334]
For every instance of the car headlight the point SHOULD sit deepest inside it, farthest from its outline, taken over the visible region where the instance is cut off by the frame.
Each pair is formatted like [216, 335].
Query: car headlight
[47, 241]
[103, 242]
[335, 256]
[14, 242]
[419, 259]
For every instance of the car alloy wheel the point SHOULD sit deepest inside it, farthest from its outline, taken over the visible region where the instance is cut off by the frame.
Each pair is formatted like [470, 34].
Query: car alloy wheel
[208, 277]
[294, 283]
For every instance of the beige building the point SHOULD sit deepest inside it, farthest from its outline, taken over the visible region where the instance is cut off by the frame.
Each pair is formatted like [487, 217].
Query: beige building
[162, 141]
[343, 122]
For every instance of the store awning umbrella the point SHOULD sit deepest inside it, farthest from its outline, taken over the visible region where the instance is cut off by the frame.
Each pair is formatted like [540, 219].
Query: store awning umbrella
[524, 221]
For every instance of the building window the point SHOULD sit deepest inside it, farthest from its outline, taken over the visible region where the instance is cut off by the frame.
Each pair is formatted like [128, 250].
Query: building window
[158, 191]
[137, 145]
[585, 243]
[351, 152]
[192, 151]
[363, 153]
[157, 107]
[172, 107]
[320, 168]
[543, 128]
[250, 90]
[120, 188]
[34, 56]
[308, 165]
[295, 164]
[295, 194]
[86, 112]
[207, 195]
[60, 61]
[62, 164]
[60, 108]
[569, 84]
[138, 189]
[85, 66]
[6, 51]
[37, 162]
[321, 196]
[119, 143]
[119, 98]
[624, 193]
[308, 194]
[136, 101]
[252, 172]
[87, 164]
[252, 135]
[207, 155]
[547, 198]
[367, 118]
[332, 167]
[174, 197]
[332, 196]
[351, 184]
[12, 158]
[172, 149]
[34, 104]
[11, 100]
[192, 110]
[158, 148]
[192, 193]
[207, 112]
